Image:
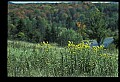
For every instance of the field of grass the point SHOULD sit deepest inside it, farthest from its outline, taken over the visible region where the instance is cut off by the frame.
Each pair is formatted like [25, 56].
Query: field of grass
[46, 60]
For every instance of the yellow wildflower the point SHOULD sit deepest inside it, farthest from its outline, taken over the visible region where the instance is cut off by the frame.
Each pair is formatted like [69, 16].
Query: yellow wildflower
[44, 42]
[69, 42]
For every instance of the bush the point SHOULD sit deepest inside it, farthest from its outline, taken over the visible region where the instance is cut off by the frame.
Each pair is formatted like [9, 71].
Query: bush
[68, 35]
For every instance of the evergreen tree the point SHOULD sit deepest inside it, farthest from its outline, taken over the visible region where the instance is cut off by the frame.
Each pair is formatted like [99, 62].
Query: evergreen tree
[68, 22]
[47, 34]
[54, 34]
[20, 29]
[14, 19]
[41, 25]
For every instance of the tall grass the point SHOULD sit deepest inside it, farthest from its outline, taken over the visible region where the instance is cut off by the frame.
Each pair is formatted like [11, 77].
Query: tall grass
[44, 60]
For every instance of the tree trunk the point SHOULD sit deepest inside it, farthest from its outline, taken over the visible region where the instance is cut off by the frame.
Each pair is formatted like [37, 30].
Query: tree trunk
[98, 41]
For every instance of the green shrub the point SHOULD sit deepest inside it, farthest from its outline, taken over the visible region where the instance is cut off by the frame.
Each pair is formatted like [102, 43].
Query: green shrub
[68, 35]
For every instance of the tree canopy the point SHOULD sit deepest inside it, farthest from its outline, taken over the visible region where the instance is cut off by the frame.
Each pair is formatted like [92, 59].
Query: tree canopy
[39, 22]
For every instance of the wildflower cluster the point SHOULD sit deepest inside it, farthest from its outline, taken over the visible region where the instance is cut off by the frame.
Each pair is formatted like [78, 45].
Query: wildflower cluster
[46, 45]
[97, 48]
[78, 47]
[84, 46]
[43, 45]
[75, 60]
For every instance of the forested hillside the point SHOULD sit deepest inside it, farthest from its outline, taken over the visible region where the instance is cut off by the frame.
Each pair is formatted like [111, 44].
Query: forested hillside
[62, 22]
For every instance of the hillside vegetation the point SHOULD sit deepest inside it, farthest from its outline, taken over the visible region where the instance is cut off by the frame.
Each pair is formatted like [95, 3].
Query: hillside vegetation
[60, 23]
[45, 60]
[55, 40]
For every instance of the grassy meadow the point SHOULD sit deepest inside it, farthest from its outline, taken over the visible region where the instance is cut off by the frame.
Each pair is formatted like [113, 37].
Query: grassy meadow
[48, 60]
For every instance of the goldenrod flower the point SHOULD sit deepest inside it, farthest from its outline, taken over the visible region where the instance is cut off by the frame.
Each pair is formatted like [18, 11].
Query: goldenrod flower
[101, 46]
[44, 42]
[69, 45]
[69, 42]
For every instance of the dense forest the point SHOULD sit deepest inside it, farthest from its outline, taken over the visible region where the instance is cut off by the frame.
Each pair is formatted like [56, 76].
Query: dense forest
[60, 23]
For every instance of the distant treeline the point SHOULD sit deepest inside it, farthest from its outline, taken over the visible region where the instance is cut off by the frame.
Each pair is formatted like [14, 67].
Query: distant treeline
[62, 22]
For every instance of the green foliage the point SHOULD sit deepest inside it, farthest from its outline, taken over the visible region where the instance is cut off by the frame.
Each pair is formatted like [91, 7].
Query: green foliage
[21, 34]
[68, 35]
[44, 60]
[69, 22]
[116, 39]
[21, 24]
[54, 34]
[11, 29]
[97, 27]
[47, 34]
[14, 18]
[34, 20]
[56, 24]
